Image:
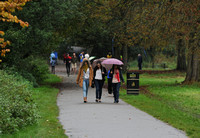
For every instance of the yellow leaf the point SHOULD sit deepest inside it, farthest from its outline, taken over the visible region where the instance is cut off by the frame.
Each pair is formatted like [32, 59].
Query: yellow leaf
[2, 33]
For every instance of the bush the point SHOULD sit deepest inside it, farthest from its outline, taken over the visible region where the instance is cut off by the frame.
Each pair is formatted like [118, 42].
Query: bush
[37, 67]
[29, 77]
[40, 69]
[17, 108]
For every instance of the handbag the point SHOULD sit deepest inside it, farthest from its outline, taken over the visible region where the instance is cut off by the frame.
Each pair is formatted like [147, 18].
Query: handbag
[92, 84]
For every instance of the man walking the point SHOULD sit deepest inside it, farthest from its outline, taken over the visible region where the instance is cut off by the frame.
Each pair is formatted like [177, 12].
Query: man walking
[68, 63]
[140, 61]
[74, 63]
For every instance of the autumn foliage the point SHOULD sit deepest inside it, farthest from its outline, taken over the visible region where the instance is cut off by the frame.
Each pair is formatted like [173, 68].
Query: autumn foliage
[6, 9]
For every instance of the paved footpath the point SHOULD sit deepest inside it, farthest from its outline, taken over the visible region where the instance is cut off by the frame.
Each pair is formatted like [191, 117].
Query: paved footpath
[106, 119]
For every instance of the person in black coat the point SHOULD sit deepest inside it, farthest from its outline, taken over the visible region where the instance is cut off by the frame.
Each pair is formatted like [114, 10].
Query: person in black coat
[67, 61]
[140, 61]
[99, 78]
[117, 77]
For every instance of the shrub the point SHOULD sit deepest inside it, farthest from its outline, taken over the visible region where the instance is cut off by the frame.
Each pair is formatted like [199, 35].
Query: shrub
[17, 108]
[40, 69]
[37, 67]
[29, 77]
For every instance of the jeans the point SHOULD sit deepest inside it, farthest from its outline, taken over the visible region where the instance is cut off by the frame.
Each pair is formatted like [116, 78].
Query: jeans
[110, 86]
[68, 68]
[85, 87]
[99, 85]
[53, 69]
[116, 87]
[140, 66]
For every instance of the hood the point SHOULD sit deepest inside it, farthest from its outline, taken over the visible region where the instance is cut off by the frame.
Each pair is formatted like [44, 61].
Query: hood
[85, 60]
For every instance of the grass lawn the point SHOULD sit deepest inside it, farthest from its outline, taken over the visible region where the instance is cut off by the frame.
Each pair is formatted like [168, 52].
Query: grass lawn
[148, 65]
[166, 99]
[48, 125]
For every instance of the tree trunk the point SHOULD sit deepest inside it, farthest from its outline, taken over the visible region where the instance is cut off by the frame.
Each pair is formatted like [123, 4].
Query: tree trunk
[125, 57]
[117, 52]
[193, 67]
[181, 60]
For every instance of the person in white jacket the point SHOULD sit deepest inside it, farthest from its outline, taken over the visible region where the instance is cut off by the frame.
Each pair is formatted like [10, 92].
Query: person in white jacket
[87, 56]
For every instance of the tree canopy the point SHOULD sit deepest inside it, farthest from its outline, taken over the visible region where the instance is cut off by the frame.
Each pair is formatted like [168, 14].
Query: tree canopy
[7, 7]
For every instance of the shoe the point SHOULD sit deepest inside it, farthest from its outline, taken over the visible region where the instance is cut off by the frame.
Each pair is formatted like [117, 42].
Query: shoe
[85, 99]
[97, 100]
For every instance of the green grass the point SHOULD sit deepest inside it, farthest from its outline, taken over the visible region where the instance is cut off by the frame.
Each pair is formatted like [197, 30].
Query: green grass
[133, 65]
[48, 125]
[166, 99]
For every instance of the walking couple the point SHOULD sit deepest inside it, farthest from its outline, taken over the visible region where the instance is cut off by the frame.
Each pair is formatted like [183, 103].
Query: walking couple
[68, 60]
[87, 77]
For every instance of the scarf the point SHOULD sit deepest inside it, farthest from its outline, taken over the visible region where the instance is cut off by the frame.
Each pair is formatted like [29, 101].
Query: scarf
[117, 75]
[85, 67]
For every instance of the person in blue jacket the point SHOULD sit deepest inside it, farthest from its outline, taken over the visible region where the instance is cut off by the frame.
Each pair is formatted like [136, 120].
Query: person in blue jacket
[52, 55]
[109, 83]
[56, 56]
[53, 64]
[81, 56]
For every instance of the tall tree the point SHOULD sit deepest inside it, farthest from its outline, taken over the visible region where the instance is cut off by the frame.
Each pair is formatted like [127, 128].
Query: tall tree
[7, 7]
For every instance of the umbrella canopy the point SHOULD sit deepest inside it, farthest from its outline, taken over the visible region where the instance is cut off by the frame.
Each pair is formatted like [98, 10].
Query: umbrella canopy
[91, 58]
[112, 61]
[96, 60]
[108, 63]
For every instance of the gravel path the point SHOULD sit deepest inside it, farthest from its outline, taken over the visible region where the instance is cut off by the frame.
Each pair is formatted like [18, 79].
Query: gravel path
[106, 119]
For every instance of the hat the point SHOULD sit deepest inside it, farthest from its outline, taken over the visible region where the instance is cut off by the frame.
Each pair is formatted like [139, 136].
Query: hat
[87, 56]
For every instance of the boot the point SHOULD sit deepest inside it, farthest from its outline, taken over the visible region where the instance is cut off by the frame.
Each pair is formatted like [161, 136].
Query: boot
[85, 99]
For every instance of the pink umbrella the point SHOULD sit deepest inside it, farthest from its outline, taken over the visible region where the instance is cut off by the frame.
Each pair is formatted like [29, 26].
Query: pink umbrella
[111, 61]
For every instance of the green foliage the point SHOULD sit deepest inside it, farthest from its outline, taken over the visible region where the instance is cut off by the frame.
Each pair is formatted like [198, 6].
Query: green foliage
[48, 125]
[47, 28]
[86, 31]
[28, 76]
[33, 69]
[39, 69]
[17, 108]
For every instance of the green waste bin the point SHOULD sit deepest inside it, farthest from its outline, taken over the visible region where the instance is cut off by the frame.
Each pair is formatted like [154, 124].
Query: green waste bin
[132, 83]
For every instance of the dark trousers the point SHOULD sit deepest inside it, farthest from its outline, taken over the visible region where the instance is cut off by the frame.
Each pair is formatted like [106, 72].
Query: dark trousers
[110, 86]
[68, 68]
[99, 85]
[116, 87]
[53, 69]
[140, 66]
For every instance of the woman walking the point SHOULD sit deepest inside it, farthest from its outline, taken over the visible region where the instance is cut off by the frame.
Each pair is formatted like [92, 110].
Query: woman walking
[99, 78]
[117, 78]
[85, 77]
